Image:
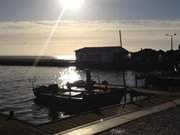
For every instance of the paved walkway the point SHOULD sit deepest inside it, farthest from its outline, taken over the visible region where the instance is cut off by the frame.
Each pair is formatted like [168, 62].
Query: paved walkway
[104, 124]
[163, 123]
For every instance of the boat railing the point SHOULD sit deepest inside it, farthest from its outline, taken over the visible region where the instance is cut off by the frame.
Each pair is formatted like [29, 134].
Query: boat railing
[95, 86]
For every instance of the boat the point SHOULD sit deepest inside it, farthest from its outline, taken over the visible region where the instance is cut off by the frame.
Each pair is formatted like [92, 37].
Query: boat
[79, 96]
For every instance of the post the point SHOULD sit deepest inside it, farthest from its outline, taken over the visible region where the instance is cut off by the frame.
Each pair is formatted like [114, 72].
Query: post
[124, 79]
[69, 88]
[136, 80]
[125, 86]
[88, 76]
[88, 80]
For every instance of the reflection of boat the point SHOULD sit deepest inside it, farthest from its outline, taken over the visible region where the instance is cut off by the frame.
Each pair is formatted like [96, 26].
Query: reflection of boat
[79, 96]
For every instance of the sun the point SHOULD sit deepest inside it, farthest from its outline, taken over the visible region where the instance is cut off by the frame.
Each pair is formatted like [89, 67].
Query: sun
[72, 4]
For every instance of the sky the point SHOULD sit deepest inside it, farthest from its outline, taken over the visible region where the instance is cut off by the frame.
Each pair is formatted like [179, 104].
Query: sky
[26, 24]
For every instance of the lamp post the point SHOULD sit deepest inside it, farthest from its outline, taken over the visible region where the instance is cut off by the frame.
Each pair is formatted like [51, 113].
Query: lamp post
[172, 39]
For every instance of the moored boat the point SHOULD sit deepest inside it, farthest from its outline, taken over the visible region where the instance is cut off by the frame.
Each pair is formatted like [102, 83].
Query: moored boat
[79, 96]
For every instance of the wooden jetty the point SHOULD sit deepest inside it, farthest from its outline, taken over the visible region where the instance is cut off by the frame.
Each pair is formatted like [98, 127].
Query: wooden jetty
[16, 127]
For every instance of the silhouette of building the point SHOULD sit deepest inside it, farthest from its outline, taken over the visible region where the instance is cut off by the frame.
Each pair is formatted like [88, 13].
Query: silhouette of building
[145, 58]
[100, 56]
[120, 58]
[172, 59]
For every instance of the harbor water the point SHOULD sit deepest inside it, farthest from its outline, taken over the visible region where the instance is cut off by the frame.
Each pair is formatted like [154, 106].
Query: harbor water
[16, 85]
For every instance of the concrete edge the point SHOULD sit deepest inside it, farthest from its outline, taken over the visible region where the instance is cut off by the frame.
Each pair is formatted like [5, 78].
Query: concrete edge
[157, 92]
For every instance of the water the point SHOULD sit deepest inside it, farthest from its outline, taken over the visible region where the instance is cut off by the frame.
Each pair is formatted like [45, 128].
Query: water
[16, 88]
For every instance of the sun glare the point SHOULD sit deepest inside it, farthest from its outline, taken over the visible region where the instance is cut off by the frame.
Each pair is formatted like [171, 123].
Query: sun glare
[72, 4]
[69, 75]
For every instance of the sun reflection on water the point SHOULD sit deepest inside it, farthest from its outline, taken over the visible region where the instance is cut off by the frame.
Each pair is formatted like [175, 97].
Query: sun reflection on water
[65, 57]
[69, 75]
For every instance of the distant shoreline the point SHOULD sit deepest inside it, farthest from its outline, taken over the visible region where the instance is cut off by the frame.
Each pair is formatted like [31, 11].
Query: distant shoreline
[29, 61]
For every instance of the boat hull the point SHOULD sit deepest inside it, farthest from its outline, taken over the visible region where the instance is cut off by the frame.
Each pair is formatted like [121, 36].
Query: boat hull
[80, 104]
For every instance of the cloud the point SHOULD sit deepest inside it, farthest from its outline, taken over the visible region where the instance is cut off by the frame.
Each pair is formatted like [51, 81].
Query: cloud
[15, 25]
[29, 37]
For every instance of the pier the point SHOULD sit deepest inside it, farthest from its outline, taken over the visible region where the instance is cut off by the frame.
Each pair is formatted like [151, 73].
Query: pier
[16, 127]
[93, 122]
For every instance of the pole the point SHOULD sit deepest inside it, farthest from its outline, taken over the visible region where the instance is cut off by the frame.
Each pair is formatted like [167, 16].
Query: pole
[171, 42]
[120, 37]
[172, 39]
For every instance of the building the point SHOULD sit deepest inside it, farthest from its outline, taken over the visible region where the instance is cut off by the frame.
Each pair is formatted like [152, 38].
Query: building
[148, 59]
[120, 58]
[100, 56]
[145, 56]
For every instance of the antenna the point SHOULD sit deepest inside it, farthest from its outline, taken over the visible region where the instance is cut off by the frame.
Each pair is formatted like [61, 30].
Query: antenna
[120, 37]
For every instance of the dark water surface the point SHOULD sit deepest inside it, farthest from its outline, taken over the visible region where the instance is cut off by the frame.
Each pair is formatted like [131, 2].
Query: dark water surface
[16, 87]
